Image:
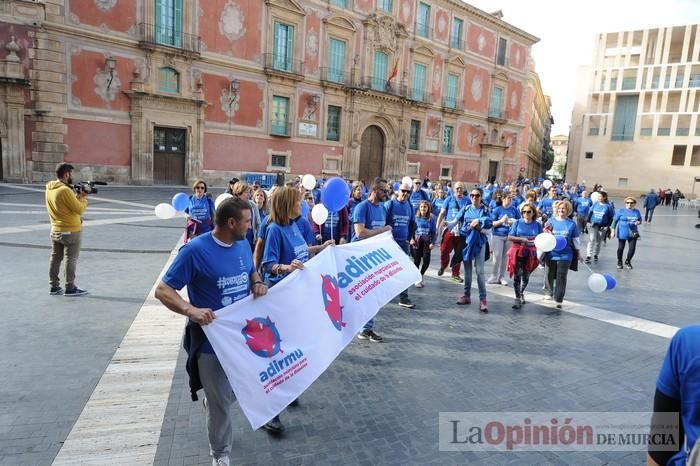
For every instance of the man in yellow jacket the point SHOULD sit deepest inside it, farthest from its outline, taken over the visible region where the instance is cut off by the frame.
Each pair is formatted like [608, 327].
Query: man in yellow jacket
[65, 209]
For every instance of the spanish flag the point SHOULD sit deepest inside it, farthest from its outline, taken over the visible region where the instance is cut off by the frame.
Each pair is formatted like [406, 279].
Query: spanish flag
[394, 72]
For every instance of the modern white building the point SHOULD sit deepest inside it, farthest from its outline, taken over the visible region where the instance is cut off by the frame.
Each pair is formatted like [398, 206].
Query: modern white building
[635, 122]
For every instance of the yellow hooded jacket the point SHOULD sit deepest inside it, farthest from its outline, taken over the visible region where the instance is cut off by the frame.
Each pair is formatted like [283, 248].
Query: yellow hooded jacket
[64, 207]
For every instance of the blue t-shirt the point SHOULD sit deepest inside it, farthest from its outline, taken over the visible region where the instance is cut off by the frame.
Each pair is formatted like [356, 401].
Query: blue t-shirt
[452, 206]
[307, 232]
[284, 243]
[469, 213]
[200, 210]
[331, 225]
[602, 214]
[370, 215]
[496, 214]
[679, 378]
[426, 228]
[565, 228]
[517, 200]
[523, 229]
[488, 193]
[546, 206]
[215, 275]
[401, 217]
[626, 222]
[437, 205]
[583, 206]
[416, 197]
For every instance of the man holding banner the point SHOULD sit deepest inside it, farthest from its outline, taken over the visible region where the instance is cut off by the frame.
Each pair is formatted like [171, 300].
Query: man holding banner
[369, 219]
[218, 270]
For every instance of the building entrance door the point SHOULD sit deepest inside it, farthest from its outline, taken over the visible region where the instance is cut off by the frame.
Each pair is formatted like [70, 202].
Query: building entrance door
[371, 154]
[493, 170]
[169, 156]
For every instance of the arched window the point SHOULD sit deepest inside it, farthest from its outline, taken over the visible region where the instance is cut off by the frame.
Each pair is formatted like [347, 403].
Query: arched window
[168, 80]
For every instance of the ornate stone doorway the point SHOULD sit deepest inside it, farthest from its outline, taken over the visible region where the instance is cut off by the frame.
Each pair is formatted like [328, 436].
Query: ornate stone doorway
[371, 154]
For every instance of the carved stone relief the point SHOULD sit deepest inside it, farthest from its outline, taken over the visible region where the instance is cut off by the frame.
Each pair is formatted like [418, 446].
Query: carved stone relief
[232, 22]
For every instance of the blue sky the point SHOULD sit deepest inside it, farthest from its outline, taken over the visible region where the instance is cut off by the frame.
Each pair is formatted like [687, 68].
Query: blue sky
[567, 31]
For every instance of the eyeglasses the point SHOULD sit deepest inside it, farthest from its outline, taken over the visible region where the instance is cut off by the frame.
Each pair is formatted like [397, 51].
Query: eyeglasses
[474, 195]
[199, 187]
[527, 212]
[405, 191]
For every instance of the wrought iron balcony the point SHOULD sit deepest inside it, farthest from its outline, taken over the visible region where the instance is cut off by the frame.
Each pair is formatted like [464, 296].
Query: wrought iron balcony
[451, 104]
[156, 35]
[420, 96]
[281, 63]
[381, 84]
[423, 30]
[448, 148]
[336, 76]
[280, 128]
[496, 114]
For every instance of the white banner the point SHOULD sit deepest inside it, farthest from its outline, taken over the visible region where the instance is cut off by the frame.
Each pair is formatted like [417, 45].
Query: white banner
[273, 348]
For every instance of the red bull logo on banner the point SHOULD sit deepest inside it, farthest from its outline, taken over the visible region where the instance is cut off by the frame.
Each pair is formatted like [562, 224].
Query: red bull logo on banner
[331, 301]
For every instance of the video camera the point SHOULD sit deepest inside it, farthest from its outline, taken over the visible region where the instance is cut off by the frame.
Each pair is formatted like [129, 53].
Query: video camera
[88, 187]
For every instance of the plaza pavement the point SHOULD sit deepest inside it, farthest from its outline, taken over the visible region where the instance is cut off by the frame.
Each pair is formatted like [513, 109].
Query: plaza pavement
[64, 397]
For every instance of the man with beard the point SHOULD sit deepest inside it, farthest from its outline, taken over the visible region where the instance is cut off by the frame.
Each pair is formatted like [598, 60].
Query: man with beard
[65, 209]
[218, 270]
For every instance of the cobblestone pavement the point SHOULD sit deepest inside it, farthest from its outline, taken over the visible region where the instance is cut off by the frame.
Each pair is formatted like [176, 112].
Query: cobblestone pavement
[378, 403]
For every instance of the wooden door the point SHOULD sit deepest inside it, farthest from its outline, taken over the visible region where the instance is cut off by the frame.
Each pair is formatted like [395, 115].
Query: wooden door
[371, 154]
[169, 156]
[493, 171]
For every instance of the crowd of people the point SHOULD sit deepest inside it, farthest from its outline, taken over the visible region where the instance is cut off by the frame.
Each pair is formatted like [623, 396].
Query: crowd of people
[266, 235]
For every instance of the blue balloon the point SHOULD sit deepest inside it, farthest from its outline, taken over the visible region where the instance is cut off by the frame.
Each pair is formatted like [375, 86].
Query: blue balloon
[396, 186]
[334, 195]
[180, 201]
[610, 280]
[561, 243]
[304, 208]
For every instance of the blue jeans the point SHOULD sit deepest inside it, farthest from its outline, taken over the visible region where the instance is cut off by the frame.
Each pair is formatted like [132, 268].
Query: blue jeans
[404, 294]
[477, 262]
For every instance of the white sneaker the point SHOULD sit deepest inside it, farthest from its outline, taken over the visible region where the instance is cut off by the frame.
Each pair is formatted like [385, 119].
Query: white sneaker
[547, 297]
[492, 281]
[223, 461]
[419, 284]
[504, 282]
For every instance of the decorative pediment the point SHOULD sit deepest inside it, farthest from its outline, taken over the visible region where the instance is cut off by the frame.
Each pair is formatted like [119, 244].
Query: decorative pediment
[456, 60]
[292, 6]
[384, 31]
[500, 76]
[341, 22]
[425, 51]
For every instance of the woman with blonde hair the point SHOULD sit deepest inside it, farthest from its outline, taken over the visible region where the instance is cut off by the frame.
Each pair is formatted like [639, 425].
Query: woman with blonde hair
[242, 190]
[199, 210]
[522, 255]
[558, 261]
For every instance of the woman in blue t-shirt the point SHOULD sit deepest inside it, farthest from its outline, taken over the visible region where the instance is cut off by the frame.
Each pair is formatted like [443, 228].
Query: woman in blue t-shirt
[522, 256]
[355, 199]
[260, 199]
[557, 262]
[199, 210]
[424, 238]
[438, 198]
[624, 226]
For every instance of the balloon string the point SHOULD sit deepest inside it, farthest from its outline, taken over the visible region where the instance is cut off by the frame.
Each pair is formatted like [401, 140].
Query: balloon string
[589, 269]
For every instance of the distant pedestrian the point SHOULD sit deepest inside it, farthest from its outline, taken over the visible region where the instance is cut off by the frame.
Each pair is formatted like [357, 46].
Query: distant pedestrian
[582, 207]
[558, 262]
[668, 197]
[650, 202]
[199, 210]
[675, 198]
[625, 227]
[242, 190]
[502, 217]
[600, 217]
[424, 238]
[522, 255]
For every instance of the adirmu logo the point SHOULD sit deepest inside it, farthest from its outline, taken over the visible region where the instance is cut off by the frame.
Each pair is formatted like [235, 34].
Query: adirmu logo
[331, 301]
[262, 337]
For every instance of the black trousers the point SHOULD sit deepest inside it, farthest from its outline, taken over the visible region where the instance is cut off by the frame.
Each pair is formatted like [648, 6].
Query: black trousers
[621, 249]
[421, 253]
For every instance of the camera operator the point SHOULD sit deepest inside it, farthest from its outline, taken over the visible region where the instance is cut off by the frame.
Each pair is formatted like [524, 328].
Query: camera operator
[65, 208]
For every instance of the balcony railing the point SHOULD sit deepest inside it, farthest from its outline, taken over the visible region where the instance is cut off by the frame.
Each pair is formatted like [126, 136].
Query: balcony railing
[280, 128]
[448, 148]
[451, 103]
[336, 76]
[423, 30]
[152, 34]
[496, 113]
[381, 84]
[283, 63]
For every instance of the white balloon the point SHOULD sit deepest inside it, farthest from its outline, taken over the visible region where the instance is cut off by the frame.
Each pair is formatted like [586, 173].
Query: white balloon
[165, 211]
[221, 198]
[547, 184]
[319, 214]
[545, 242]
[309, 182]
[595, 197]
[597, 283]
[407, 180]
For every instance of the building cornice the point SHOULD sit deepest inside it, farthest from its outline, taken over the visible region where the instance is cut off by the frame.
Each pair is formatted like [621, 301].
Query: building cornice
[530, 39]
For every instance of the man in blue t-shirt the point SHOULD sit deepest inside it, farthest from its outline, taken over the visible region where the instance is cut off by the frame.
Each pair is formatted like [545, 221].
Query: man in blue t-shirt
[400, 216]
[449, 230]
[677, 392]
[582, 207]
[369, 219]
[417, 195]
[217, 268]
[600, 217]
